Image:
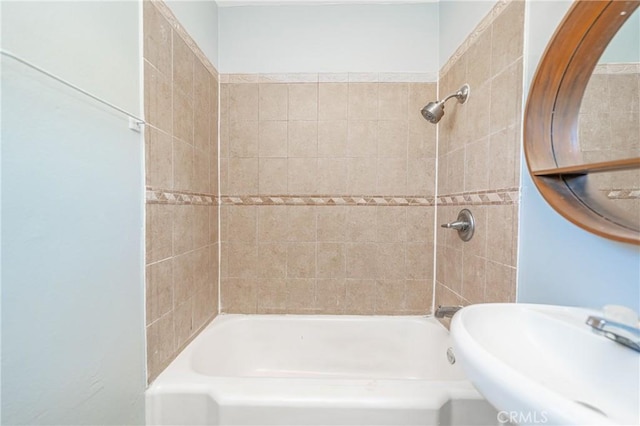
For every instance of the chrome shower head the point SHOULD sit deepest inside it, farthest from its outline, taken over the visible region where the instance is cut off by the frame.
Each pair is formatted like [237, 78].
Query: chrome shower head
[433, 111]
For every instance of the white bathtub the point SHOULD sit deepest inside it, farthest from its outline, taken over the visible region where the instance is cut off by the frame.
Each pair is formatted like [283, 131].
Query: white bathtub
[316, 370]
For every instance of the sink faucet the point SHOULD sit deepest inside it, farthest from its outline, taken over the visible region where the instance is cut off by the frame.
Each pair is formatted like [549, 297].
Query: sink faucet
[446, 311]
[613, 330]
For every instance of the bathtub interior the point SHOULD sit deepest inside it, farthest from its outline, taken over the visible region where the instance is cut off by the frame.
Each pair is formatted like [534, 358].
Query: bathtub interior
[306, 370]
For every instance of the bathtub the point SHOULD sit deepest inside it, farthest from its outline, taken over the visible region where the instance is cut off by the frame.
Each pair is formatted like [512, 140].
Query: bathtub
[316, 370]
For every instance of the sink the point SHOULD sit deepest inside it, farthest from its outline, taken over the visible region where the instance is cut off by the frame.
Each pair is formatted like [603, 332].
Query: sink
[541, 364]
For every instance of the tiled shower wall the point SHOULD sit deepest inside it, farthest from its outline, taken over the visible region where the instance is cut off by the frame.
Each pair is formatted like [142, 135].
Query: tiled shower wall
[479, 162]
[327, 195]
[181, 100]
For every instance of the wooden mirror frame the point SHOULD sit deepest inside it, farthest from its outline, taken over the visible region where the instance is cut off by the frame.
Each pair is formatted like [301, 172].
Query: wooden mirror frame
[551, 119]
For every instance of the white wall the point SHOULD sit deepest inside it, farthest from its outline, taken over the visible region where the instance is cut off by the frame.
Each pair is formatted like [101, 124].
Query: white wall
[72, 217]
[200, 19]
[329, 38]
[560, 263]
[457, 20]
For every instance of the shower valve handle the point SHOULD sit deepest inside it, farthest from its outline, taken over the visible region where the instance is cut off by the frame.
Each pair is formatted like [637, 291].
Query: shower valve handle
[465, 224]
[456, 225]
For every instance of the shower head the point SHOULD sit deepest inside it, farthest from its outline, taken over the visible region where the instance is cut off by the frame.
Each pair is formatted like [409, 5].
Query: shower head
[434, 111]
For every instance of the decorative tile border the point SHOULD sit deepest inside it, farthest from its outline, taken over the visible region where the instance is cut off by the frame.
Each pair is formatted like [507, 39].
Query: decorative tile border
[325, 200]
[622, 194]
[168, 196]
[177, 26]
[493, 197]
[330, 78]
[484, 24]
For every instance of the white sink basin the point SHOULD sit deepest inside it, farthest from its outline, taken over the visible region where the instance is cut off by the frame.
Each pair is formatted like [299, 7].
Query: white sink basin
[542, 364]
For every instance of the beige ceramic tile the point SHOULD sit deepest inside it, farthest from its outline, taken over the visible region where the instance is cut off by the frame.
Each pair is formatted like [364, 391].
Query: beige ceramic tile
[362, 176]
[500, 234]
[201, 233]
[302, 175]
[477, 165]
[272, 296]
[243, 138]
[243, 102]
[182, 165]
[390, 297]
[182, 117]
[332, 176]
[160, 345]
[391, 224]
[243, 176]
[273, 102]
[303, 101]
[362, 138]
[273, 176]
[332, 101]
[183, 59]
[505, 107]
[272, 260]
[360, 297]
[202, 269]
[420, 224]
[331, 224]
[392, 176]
[507, 36]
[201, 173]
[479, 62]
[302, 139]
[504, 149]
[273, 139]
[301, 260]
[158, 99]
[473, 278]
[419, 261]
[243, 223]
[159, 232]
[361, 224]
[390, 260]
[242, 259]
[301, 223]
[183, 228]
[421, 176]
[183, 317]
[392, 139]
[330, 296]
[157, 39]
[331, 260]
[301, 295]
[159, 290]
[183, 278]
[392, 101]
[361, 260]
[272, 223]
[239, 296]
[363, 101]
[418, 298]
[332, 138]
[158, 158]
[500, 286]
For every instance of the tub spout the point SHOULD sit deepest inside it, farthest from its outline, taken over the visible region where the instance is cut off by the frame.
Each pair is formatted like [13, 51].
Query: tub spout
[446, 311]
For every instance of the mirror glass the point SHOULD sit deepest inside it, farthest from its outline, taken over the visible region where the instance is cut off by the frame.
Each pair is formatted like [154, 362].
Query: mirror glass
[609, 120]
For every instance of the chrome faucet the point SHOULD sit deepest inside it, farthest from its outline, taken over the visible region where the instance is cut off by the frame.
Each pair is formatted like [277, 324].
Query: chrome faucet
[446, 311]
[612, 330]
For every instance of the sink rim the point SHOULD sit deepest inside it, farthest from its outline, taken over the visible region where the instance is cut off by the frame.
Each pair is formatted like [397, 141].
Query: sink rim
[504, 385]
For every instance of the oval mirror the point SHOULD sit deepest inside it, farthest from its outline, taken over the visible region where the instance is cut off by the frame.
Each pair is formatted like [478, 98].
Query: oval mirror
[582, 122]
